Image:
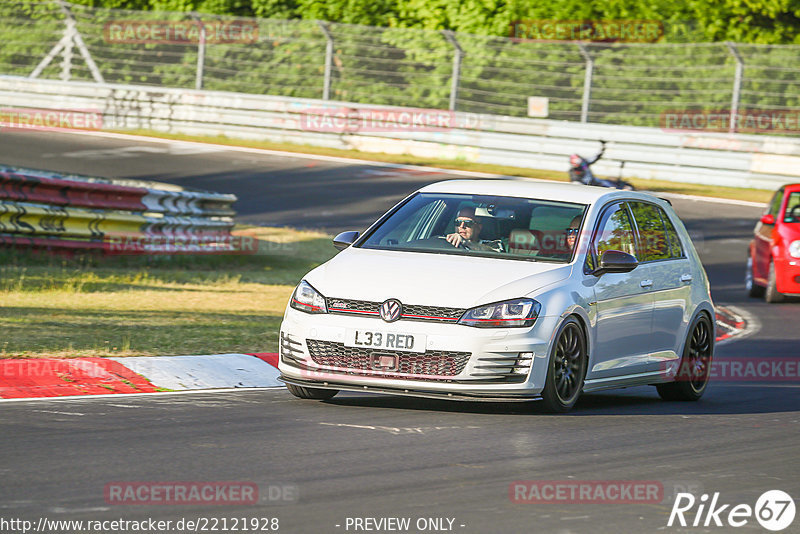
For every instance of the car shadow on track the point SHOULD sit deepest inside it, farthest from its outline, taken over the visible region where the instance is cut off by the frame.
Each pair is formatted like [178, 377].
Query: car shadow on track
[723, 399]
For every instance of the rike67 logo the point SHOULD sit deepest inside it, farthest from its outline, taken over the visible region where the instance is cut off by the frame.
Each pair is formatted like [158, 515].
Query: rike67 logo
[774, 510]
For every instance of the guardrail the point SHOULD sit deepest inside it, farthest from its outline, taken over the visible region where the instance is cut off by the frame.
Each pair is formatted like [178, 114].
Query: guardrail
[718, 159]
[47, 210]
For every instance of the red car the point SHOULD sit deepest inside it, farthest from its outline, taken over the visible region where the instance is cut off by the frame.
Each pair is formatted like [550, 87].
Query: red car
[773, 264]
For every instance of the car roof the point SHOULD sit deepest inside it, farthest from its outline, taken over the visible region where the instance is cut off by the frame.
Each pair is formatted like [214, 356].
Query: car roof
[536, 189]
[791, 188]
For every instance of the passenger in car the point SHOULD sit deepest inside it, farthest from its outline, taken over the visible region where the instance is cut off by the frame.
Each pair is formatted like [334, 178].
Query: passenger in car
[572, 234]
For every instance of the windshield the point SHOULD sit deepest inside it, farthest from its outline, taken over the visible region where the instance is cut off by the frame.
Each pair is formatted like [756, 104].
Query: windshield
[792, 213]
[514, 228]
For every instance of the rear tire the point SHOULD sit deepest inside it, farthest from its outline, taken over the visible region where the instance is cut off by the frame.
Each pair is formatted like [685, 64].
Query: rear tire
[772, 294]
[311, 393]
[566, 368]
[695, 366]
[754, 290]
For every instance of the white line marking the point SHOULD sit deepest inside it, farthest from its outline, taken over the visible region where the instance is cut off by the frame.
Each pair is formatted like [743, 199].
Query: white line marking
[710, 199]
[398, 430]
[733, 385]
[60, 510]
[60, 413]
[129, 395]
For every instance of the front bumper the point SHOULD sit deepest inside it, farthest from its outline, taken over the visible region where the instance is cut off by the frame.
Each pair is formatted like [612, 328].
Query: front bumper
[458, 361]
[514, 397]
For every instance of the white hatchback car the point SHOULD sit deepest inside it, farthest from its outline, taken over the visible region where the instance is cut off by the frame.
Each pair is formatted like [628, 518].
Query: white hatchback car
[505, 290]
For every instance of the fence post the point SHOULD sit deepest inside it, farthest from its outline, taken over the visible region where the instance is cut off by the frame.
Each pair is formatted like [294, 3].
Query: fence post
[326, 84]
[78, 40]
[72, 37]
[456, 76]
[201, 53]
[587, 82]
[69, 42]
[737, 84]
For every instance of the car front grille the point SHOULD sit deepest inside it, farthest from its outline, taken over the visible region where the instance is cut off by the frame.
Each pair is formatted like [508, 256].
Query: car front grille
[409, 365]
[411, 312]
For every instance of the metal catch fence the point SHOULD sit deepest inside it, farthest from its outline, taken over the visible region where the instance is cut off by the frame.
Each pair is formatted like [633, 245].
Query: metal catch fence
[626, 83]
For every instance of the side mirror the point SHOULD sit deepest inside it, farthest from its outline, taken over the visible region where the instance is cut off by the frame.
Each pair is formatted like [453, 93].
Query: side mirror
[344, 240]
[616, 261]
[768, 219]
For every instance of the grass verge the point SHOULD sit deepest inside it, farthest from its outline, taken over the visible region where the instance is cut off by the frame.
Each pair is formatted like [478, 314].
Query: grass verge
[734, 193]
[90, 305]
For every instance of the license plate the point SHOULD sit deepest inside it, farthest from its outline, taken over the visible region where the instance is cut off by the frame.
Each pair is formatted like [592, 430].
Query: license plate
[399, 341]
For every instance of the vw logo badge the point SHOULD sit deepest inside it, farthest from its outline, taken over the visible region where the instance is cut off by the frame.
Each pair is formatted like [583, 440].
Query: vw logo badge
[391, 310]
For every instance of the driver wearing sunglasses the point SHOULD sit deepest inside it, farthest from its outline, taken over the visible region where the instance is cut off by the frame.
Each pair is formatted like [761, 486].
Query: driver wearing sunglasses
[468, 231]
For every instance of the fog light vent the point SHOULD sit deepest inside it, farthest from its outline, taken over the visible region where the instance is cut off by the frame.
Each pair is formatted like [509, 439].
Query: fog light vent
[523, 363]
[291, 350]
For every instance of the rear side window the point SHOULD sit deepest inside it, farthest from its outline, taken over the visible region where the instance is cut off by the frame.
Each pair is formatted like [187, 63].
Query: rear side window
[675, 248]
[658, 239]
[653, 242]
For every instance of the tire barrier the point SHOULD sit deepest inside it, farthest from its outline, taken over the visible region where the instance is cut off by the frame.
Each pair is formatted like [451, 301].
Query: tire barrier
[17, 183]
[41, 209]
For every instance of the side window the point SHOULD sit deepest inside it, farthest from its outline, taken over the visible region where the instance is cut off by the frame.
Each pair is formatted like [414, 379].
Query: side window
[615, 232]
[675, 248]
[653, 242]
[775, 203]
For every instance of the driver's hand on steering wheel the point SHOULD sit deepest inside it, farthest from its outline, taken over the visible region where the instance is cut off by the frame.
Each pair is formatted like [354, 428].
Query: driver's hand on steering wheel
[456, 240]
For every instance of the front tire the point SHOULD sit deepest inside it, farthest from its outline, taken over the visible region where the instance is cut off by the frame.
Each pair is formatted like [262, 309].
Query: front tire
[772, 294]
[695, 367]
[566, 368]
[754, 290]
[311, 393]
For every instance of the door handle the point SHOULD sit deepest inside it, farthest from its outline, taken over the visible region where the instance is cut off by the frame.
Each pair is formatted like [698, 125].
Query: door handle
[686, 278]
[646, 283]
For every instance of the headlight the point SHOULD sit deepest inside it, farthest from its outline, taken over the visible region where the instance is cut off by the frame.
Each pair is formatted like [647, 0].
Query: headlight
[306, 299]
[507, 314]
[794, 249]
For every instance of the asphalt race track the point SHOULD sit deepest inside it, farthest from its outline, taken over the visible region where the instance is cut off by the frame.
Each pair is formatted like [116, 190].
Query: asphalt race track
[361, 456]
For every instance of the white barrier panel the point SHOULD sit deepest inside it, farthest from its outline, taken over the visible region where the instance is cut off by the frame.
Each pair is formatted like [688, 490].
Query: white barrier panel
[732, 160]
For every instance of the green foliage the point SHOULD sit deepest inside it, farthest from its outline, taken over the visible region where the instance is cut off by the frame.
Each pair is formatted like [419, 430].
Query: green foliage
[278, 9]
[745, 21]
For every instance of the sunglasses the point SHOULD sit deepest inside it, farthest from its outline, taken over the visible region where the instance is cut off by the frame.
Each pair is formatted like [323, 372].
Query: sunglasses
[572, 231]
[467, 223]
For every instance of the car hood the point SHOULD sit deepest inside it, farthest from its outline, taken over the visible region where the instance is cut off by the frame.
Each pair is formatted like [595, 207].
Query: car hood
[431, 279]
